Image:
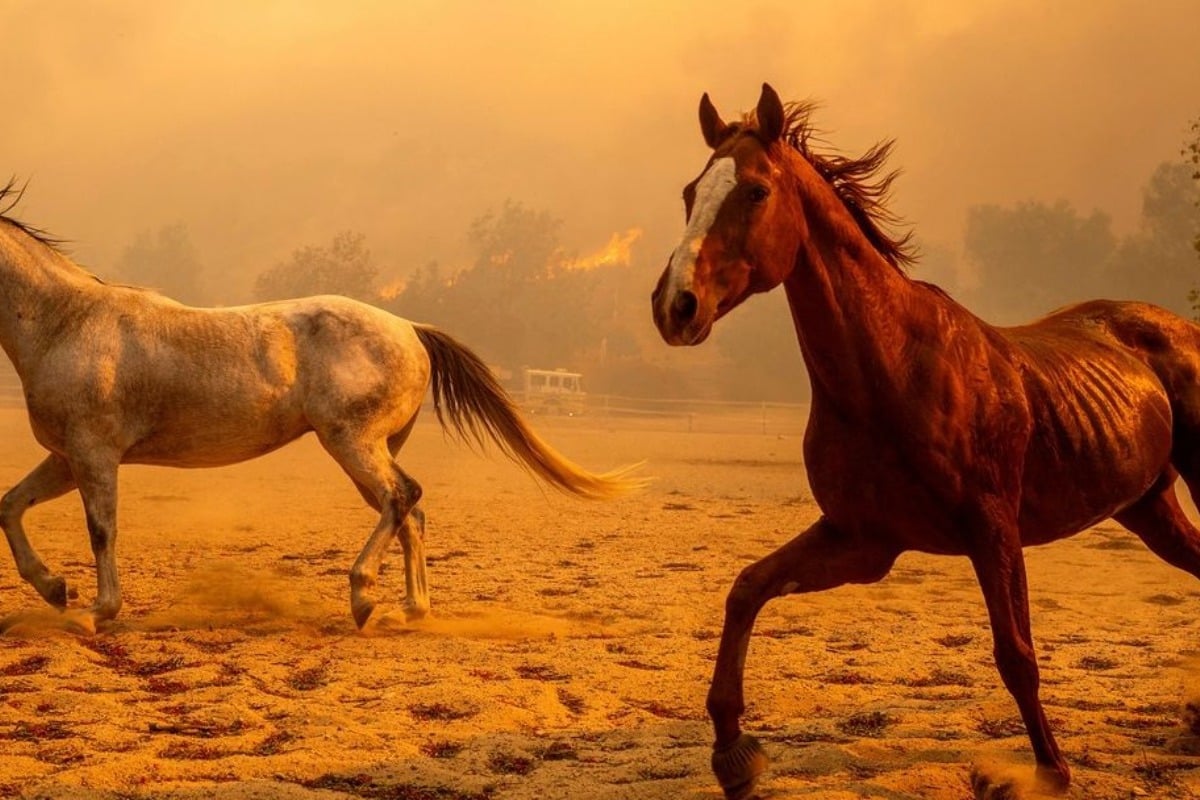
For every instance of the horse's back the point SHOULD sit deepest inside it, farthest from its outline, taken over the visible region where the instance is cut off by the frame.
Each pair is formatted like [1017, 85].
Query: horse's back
[1166, 342]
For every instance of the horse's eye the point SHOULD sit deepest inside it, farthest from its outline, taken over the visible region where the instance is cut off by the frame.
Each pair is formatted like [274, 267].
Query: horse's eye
[759, 193]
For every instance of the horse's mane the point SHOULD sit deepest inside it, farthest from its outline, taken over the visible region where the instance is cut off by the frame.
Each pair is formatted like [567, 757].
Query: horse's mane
[860, 182]
[10, 195]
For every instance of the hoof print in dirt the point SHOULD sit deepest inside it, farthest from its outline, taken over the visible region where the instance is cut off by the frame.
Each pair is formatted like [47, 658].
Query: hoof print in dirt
[1185, 745]
[1191, 715]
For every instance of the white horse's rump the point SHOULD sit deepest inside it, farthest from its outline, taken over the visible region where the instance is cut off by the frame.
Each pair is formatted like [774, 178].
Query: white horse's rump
[115, 374]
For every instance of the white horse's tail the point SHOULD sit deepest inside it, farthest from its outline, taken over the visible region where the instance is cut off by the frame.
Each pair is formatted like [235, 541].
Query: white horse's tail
[470, 402]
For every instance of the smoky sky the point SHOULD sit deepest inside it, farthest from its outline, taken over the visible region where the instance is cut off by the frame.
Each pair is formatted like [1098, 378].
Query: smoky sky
[267, 126]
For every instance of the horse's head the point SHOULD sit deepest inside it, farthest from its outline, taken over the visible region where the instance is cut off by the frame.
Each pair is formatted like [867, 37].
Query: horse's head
[743, 226]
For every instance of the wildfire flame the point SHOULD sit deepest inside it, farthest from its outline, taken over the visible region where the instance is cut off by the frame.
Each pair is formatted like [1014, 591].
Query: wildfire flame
[617, 252]
[394, 289]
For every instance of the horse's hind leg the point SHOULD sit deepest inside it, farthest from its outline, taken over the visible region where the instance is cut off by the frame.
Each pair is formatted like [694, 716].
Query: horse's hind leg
[52, 478]
[412, 540]
[95, 470]
[391, 492]
[1158, 520]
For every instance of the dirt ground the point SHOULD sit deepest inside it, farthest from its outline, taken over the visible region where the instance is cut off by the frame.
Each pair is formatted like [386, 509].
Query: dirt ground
[571, 646]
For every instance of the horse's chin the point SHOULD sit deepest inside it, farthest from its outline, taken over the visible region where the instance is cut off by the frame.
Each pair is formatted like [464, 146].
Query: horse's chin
[690, 336]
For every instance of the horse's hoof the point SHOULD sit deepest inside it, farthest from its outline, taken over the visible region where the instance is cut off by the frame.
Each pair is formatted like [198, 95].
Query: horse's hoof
[1001, 782]
[738, 766]
[1053, 781]
[362, 612]
[55, 592]
[987, 786]
[414, 612]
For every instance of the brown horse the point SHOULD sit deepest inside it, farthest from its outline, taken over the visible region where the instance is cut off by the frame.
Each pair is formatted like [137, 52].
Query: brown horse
[117, 375]
[930, 430]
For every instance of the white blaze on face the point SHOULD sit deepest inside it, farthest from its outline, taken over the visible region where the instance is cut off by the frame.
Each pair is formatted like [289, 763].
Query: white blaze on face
[711, 190]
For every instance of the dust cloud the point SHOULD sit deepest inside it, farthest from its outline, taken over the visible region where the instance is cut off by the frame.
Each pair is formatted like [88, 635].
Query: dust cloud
[264, 127]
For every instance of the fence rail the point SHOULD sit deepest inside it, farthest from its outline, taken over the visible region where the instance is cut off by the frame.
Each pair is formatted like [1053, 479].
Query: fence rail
[696, 415]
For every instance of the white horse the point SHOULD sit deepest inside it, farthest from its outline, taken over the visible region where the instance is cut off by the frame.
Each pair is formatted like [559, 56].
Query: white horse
[116, 374]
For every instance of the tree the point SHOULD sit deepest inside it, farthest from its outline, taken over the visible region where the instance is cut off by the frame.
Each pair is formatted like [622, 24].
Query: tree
[344, 267]
[1191, 157]
[938, 264]
[164, 260]
[1157, 263]
[1035, 257]
[517, 303]
[517, 243]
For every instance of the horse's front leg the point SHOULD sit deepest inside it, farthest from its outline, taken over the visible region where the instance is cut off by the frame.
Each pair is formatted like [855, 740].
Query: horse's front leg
[52, 478]
[96, 475]
[1000, 566]
[822, 557]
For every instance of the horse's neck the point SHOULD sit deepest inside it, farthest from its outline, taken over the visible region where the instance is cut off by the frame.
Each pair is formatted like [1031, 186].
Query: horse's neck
[39, 290]
[855, 316]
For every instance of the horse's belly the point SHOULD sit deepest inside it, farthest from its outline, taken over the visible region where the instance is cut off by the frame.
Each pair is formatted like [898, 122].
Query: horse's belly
[184, 443]
[1096, 447]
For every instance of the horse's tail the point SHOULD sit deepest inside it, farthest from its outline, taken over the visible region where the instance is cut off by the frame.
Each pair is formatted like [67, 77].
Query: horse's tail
[470, 402]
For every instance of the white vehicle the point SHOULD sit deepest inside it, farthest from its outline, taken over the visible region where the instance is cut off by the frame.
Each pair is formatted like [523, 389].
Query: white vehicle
[553, 391]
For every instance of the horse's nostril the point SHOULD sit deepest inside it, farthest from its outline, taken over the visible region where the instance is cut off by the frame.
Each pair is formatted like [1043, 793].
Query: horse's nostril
[684, 307]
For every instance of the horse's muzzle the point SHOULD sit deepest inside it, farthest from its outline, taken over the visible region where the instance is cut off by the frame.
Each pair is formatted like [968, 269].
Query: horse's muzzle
[677, 319]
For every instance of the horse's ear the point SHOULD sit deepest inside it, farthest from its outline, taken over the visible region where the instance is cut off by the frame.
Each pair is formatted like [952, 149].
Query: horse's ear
[770, 115]
[711, 124]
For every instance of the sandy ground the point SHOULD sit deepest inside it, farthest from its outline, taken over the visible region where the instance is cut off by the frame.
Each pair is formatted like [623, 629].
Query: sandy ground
[572, 644]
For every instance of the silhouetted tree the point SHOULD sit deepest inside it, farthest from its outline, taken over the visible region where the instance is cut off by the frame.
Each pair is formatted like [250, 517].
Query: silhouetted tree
[1157, 263]
[517, 303]
[939, 265]
[1191, 157]
[422, 294]
[516, 243]
[1035, 257]
[164, 260]
[344, 267]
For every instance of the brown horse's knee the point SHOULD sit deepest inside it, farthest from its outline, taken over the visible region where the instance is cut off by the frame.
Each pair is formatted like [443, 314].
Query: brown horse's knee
[749, 591]
[10, 509]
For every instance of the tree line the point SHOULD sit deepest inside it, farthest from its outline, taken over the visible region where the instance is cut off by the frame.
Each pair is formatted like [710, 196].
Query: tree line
[524, 300]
